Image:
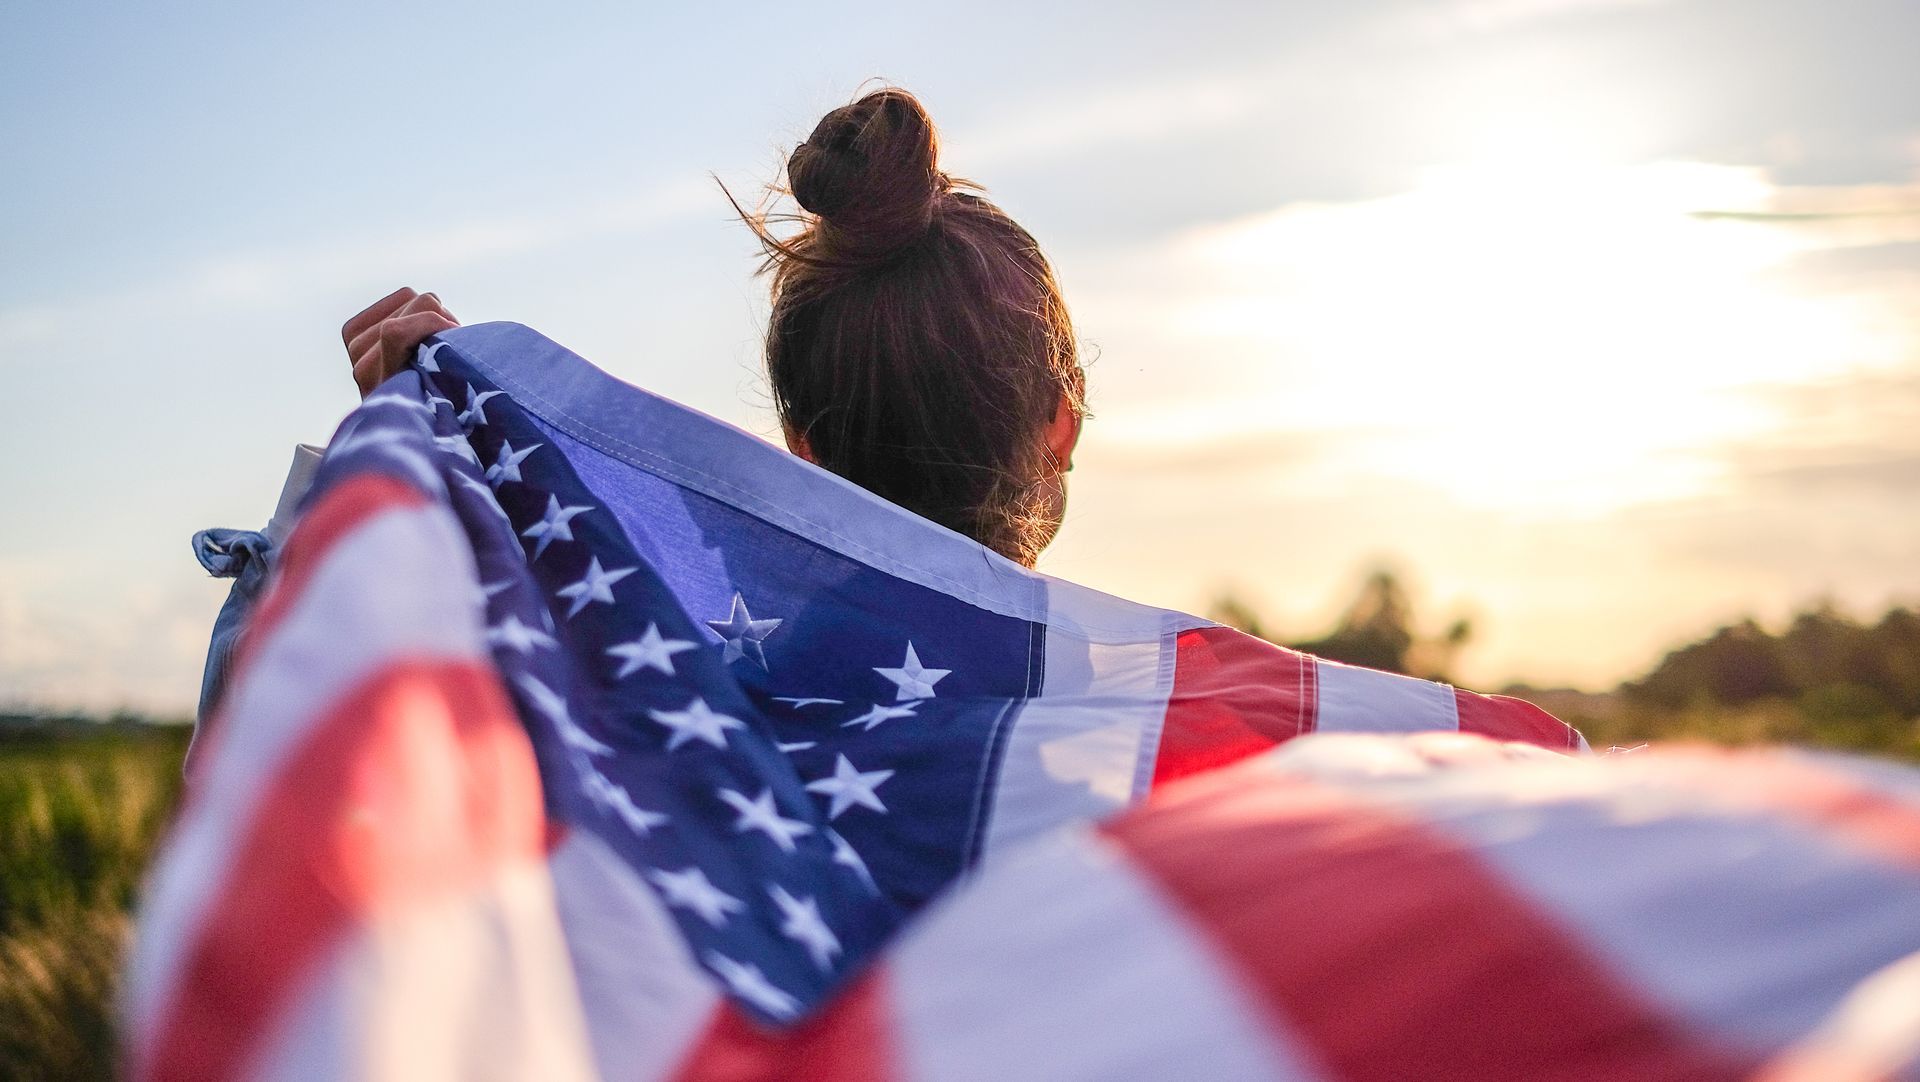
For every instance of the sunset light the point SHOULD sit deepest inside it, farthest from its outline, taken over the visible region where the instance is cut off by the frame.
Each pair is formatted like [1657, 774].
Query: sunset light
[1525, 298]
[1347, 539]
[1530, 337]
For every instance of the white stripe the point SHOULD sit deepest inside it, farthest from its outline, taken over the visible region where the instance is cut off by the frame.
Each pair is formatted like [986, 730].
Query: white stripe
[741, 470]
[1750, 928]
[474, 987]
[646, 1001]
[311, 1038]
[1065, 761]
[1874, 1033]
[397, 585]
[1060, 963]
[1356, 700]
[1897, 782]
[1341, 758]
[1084, 748]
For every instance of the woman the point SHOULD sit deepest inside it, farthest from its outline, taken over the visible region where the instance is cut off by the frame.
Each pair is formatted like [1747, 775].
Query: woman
[919, 345]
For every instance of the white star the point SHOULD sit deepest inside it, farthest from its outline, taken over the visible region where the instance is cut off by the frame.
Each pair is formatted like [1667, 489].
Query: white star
[485, 494]
[596, 585]
[696, 722]
[805, 926]
[760, 814]
[516, 636]
[475, 414]
[849, 786]
[417, 464]
[483, 594]
[879, 714]
[392, 444]
[553, 525]
[649, 651]
[844, 855]
[747, 982]
[363, 437]
[689, 888]
[425, 358]
[456, 446]
[604, 792]
[743, 634]
[914, 680]
[394, 399]
[507, 466]
[799, 701]
[554, 708]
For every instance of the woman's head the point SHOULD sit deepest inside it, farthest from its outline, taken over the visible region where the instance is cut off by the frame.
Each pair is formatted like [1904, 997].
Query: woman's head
[919, 345]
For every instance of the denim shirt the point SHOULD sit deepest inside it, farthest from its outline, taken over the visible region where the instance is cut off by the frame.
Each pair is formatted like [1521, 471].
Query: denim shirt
[244, 556]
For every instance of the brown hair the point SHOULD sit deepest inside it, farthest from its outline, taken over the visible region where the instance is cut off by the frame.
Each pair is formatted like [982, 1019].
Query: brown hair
[919, 344]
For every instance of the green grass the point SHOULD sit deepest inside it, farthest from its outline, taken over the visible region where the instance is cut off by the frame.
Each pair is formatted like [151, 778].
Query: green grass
[78, 821]
[1837, 718]
[80, 815]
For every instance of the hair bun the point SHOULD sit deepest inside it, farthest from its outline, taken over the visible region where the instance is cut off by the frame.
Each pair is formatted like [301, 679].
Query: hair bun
[870, 171]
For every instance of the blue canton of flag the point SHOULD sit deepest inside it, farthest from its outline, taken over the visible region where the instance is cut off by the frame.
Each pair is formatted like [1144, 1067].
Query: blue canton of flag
[747, 726]
[785, 709]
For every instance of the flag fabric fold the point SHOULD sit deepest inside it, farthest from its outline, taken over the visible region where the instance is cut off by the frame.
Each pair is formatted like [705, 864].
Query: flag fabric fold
[581, 735]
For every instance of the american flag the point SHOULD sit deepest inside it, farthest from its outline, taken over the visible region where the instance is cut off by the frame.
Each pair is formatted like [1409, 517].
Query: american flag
[580, 735]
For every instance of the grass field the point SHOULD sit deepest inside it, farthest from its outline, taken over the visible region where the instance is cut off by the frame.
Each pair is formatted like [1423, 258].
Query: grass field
[81, 811]
[79, 817]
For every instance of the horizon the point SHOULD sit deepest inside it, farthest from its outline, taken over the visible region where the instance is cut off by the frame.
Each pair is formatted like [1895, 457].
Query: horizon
[1599, 320]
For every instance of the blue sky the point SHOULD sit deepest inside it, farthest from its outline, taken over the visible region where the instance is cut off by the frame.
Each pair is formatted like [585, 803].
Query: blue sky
[1600, 317]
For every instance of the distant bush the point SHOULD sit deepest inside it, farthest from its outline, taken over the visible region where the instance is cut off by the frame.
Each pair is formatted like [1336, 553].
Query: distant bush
[1820, 650]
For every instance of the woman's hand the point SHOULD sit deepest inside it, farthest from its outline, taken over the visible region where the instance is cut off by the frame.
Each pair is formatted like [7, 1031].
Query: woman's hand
[382, 339]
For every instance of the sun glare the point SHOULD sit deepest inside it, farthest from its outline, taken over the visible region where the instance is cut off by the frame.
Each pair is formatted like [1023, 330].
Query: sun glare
[1535, 335]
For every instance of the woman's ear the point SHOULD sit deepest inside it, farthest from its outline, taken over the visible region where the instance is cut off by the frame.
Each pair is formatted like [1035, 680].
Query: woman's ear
[1062, 435]
[797, 443]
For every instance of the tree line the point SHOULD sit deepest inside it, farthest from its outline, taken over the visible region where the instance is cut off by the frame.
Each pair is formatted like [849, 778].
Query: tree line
[1825, 679]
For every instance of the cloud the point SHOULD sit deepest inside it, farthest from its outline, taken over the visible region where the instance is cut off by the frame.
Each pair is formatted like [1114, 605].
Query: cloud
[60, 648]
[243, 278]
[1578, 405]
[1883, 475]
[1490, 15]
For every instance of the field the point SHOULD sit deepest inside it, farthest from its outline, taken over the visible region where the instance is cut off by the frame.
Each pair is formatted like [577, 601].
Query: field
[81, 810]
[79, 816]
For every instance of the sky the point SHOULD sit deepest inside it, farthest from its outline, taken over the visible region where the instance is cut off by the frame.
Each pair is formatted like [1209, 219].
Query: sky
[1598, 319]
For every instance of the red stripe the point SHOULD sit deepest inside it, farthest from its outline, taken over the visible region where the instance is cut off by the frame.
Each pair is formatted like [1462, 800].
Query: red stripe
[849, 1040]
[339, 511]
[1504, 717]
[1233, 696]
[416, 786]
[1388, 951]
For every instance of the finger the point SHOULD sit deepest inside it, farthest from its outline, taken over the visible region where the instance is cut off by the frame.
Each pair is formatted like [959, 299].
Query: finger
[366, 373]
[425, 302]
[363, 341]
[392, 346]
[399, 338]
[375, 312]
[360, 343]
